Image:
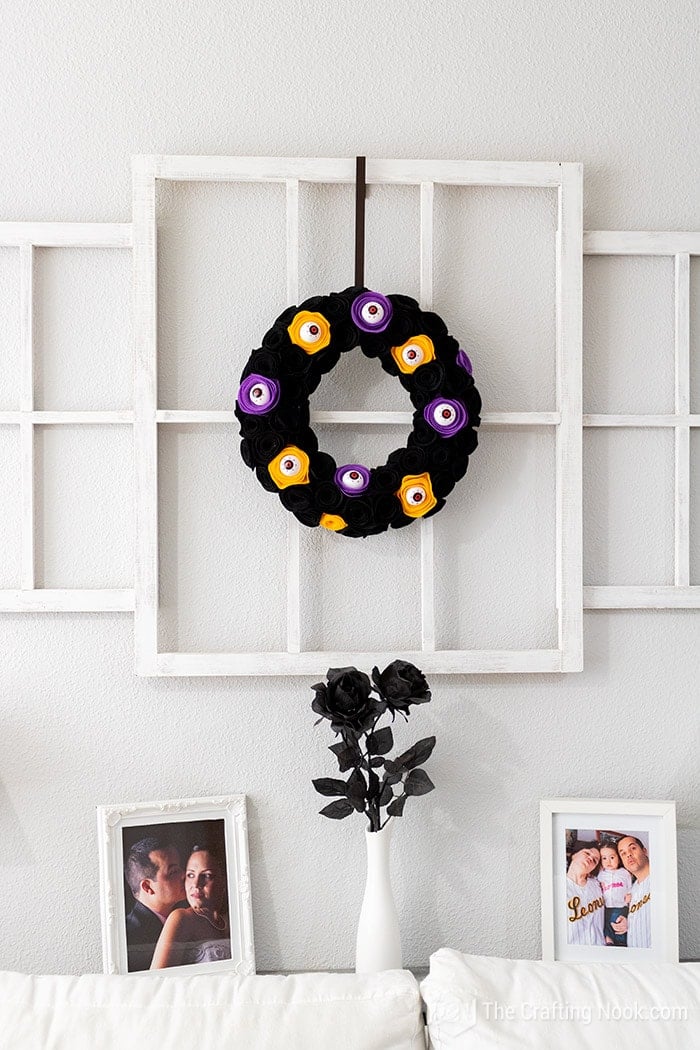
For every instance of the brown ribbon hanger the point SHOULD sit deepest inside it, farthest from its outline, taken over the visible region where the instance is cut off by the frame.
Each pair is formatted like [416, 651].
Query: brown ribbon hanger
[360, 195]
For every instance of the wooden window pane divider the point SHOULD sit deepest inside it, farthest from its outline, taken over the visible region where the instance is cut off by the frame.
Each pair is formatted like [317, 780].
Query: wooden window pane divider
[678, 246]
[26, 237]
[565, 417]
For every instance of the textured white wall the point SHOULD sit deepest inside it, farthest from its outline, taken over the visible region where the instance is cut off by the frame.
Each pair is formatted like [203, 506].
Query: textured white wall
[83, 88]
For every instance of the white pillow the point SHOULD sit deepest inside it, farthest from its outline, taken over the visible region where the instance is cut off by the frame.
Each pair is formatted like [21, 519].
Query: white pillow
[211, 1012]
[476, 1003]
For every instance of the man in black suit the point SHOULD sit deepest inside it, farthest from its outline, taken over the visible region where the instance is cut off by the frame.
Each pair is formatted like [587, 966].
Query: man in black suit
[156, 879]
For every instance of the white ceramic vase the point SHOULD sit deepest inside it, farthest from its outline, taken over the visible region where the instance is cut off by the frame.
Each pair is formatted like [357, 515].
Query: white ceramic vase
[378, 935]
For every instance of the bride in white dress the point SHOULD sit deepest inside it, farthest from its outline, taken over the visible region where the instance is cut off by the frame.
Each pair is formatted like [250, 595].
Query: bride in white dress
[201, 932]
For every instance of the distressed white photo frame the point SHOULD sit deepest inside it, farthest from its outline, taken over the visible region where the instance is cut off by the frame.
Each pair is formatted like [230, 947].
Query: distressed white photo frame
[26, 237]
[681, 247]
[111, 820]
[566, 180]
[658, 818]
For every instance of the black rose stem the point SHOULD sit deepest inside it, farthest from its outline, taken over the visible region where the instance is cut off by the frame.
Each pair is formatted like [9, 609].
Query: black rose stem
[354, 706]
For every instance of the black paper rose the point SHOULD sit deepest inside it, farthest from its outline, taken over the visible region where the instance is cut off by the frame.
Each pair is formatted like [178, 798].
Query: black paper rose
[378, 785]
[347, 701]
[279, 444]
[400, 685]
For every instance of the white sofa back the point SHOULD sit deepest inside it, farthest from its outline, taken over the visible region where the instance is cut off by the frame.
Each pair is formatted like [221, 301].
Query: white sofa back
[478, 1003]
[211, 1012]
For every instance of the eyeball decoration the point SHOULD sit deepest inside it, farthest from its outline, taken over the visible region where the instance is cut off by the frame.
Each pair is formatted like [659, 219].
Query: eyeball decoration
[371, 312]
[278, 443]
[310, 331]
[290, 467]
[416, 351]
[352, 479]
[258, 395]
[446, 416]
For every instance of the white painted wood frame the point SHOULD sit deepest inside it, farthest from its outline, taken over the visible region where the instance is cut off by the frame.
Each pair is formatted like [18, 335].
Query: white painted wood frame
[114, 907]
[680, 247]
[566, 420]
[658, 818]
[26, 236]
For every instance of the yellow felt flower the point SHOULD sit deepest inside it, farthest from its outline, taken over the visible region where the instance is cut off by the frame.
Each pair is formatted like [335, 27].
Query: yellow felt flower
[334, 522]
[416, 495]
[290, 467]
[416, 351]
[310, 331]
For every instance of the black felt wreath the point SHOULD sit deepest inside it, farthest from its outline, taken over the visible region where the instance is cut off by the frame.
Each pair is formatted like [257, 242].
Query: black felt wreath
[305, 343]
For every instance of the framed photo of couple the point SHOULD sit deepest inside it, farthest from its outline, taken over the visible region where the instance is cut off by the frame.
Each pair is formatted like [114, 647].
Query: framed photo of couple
[609, 880]
[175, 886]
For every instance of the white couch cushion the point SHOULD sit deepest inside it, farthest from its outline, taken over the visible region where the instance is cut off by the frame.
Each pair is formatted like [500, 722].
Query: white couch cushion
[211, 1012]
[476, 1003]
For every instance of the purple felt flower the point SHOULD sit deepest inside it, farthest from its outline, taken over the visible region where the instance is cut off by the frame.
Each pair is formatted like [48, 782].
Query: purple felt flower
[258, 395]
[464, 362]
[352, 479]
[446, 416]
[371, 312]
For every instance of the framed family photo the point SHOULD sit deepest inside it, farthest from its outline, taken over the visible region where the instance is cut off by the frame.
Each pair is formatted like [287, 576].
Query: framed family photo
[609, 880]
[175, 886]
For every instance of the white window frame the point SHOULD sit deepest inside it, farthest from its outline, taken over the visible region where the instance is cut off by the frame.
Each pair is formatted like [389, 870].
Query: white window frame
[26, 236]
[679, 246]
[566, 419]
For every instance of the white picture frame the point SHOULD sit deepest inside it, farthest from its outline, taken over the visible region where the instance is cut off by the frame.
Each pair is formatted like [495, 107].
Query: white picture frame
[601, 823]
[220, 822]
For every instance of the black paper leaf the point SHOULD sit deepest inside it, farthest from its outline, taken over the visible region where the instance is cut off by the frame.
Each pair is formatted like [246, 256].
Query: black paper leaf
[329, 787]
[415, 756]
[337, 810]
[375, 763]
[418, 783]
[356, 790]
[396, 807]
[347, 756]
[386, 795]
[380, 742]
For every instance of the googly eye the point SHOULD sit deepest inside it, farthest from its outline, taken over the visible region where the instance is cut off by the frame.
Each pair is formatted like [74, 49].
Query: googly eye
[290, 465]
[260, 394]
[353, 480]
[412, 355]
[416, 495]
[373, 312]
[444, 414]
[310, 332]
